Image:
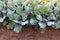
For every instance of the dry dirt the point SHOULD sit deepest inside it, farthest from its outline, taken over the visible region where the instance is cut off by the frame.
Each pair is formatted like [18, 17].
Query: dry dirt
[28, 33]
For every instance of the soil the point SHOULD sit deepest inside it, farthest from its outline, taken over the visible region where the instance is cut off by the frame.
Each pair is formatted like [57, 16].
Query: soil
[28, 33]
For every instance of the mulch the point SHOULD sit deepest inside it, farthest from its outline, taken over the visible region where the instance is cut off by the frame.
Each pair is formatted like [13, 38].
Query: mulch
[28, 33]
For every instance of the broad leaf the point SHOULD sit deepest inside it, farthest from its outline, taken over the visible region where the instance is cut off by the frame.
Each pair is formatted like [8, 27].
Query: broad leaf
[17, 28]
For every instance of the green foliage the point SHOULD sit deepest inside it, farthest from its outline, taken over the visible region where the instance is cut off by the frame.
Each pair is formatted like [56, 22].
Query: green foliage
[16, 13]
[49, 7]
[19, 10]
[10, 25]
[1, 5]
[17, 28]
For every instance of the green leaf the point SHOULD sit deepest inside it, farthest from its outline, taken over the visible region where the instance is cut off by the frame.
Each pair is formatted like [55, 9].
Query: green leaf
[58, 5]
[24, 16]
[39, 17]
[56, 25]
[33, 21]
[40, 10]
[1, 15]
[19, 10]
[21, 1]
[1, 5]
[5, 23]
[16, 17]
[42, 24]
[17, 28]
[10, 4]
[10, 14]
[24, 23]
[1, 19]
[58, 16]
[50, 23]
[10, 25]
[49, 7]
[51, 17]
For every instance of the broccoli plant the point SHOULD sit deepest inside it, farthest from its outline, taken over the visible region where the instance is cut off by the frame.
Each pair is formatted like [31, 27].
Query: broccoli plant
[14, 14]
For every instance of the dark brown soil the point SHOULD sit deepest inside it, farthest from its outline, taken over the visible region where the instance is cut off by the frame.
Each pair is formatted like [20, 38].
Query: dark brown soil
[28, 33]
